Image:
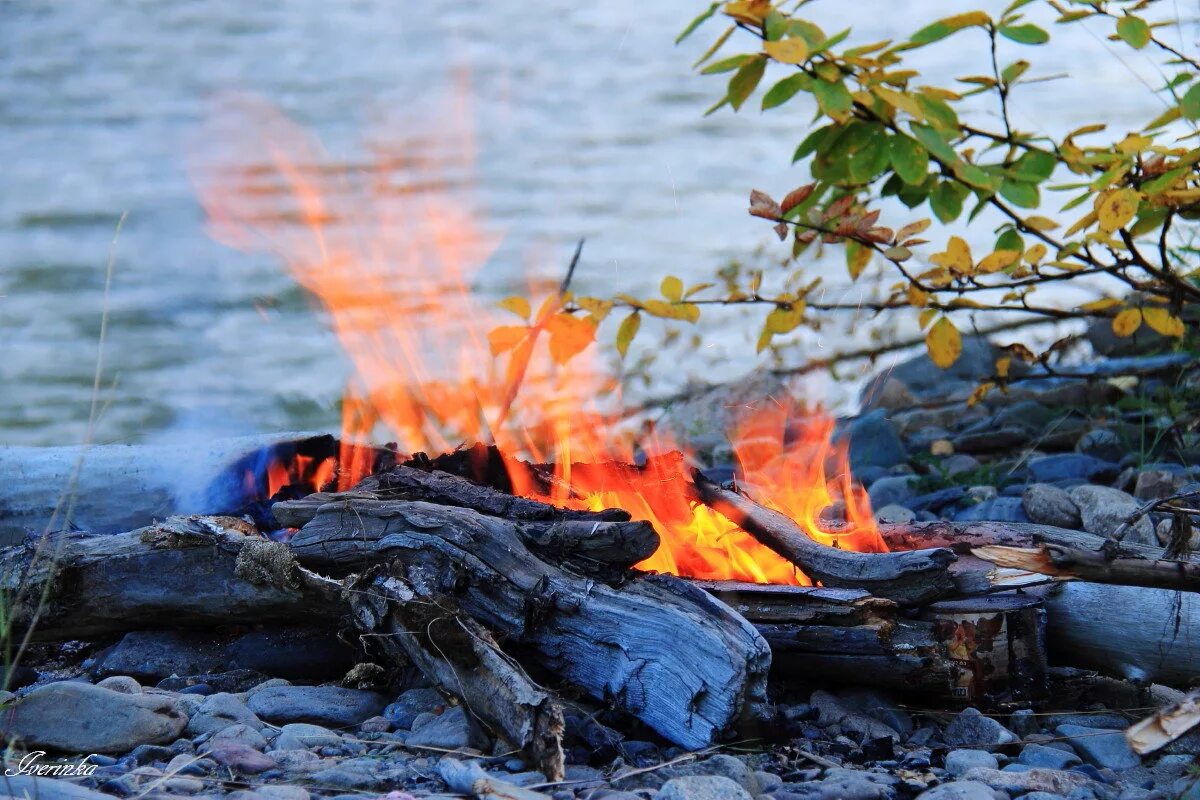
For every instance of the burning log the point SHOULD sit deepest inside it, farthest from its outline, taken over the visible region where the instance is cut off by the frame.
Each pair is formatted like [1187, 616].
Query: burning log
[913, 577]
[655, 646]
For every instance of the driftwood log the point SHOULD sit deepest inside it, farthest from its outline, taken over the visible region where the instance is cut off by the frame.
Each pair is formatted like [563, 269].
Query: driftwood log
[1138, 632]
[655, 646]
[976, 651]
[120, 487]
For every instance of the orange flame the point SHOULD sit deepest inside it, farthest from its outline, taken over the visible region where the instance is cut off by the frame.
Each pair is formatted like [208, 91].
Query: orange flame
[390, 251]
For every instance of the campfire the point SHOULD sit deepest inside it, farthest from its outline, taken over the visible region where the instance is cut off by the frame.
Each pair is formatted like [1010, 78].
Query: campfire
[518, 538]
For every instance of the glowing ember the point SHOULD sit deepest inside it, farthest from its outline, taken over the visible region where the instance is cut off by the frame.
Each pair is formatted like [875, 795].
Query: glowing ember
[390, 252]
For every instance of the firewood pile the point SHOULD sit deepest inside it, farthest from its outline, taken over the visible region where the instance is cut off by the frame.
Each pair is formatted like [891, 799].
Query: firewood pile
[505, 603]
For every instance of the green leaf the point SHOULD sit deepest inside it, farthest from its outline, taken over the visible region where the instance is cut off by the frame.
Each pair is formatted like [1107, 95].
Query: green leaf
[1014, 70]
[775, 26]
[728, 64]
[833, 98]
[938, 113]
[1024, 34]
[1189, 106]
[1010, 240]
[1034, 166]
[909, 159]
[1020, 193]
[944, 27]
[744, 81]
[934, 143]
[946, 200]
[785, 90]
[819, 139]
[703, 17]
[1134, 31]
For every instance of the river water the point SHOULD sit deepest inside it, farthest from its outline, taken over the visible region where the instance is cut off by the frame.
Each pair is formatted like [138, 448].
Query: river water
[588, 122]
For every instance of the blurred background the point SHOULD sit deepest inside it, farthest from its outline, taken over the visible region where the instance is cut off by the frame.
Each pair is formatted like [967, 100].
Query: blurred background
[588, 122]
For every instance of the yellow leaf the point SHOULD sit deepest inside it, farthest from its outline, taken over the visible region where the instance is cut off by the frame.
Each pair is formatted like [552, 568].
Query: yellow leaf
[1134, 143]
[943, 342]
[1128, 321]
[517, 305]
[1083, 222]
[917, 298]
[569, 335]
[626, 332]
[784, 319]
[599, 309]
[956, 257]
[687, 312]
[980, 392]
[1038, 223]
[941, 447]
[1035, 253]
[506, 337]
[1002, 365]
[672, 288]
[926, 316]
[787, 51]
[998, 260]
[1101, 305]
[752, 12]
[857, 258]
[1163, 322]
[1116, 208]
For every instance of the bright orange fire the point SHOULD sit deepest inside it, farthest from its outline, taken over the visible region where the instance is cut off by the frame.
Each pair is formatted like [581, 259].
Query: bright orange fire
[389, 247]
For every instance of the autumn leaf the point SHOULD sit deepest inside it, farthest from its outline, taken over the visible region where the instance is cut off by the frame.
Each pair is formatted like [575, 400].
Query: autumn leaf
[857, 258]
[1035, 253]
[980, 392]
[1162, 321]
[786, 318]
[505, 337]
[943, 343]
[1102, 304]
[763, 205]
[796, 197]
[956, 257]
[1114, 209]
[517, 305]
[998, 260]
[569, 335]
[672, 288]
[751, 12]
[1128, 321]
[627, 330]
[787, 51]
[911, 229]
